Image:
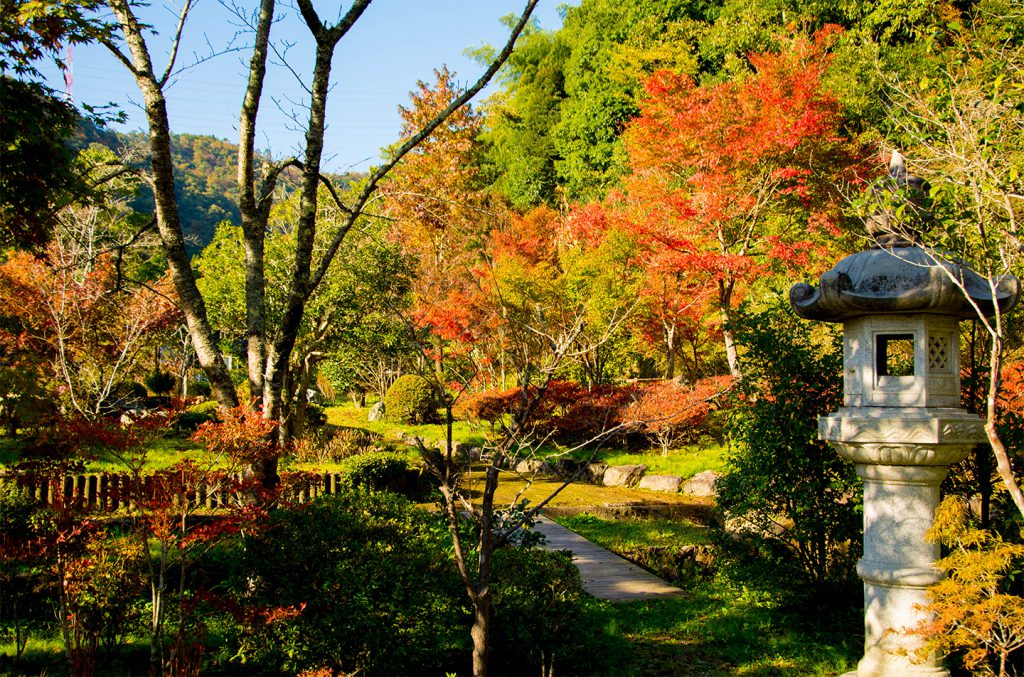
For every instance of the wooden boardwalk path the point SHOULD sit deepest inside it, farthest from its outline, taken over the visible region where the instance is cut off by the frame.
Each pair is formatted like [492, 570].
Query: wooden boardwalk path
[605, 574]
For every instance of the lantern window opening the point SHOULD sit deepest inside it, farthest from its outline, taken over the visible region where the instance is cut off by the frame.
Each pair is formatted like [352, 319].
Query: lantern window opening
[894, 355]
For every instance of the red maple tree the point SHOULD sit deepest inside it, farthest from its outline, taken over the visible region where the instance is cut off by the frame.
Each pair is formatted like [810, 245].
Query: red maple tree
[731, 182]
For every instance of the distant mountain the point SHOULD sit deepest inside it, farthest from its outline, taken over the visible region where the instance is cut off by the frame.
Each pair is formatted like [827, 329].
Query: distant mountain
[205, 179]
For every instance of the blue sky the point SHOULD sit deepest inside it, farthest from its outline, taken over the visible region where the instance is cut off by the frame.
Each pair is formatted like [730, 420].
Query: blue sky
[393, 45]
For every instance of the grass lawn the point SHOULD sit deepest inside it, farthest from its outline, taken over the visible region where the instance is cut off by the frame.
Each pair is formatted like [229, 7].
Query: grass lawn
[350, 416]
[723, 626]
[684, 462]
[578, 494]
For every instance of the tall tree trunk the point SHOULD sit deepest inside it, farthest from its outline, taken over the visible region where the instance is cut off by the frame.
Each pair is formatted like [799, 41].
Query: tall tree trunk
[254, 214]
[168, 223]
[725, 289]
[305, 230]
[1003, 464]
[480, 632]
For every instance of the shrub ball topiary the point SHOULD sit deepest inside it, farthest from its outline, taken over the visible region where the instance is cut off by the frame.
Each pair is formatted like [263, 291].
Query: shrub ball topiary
[315, 416]
[411, 399]
[199, 388]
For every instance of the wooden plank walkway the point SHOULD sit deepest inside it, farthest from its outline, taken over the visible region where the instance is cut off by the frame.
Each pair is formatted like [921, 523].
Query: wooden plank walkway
[605, 574]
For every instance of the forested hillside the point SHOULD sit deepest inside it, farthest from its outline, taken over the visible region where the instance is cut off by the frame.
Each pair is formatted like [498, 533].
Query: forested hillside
[205, 178]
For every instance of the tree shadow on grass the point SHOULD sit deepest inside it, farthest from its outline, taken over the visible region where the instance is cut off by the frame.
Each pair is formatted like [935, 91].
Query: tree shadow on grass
[724, 629]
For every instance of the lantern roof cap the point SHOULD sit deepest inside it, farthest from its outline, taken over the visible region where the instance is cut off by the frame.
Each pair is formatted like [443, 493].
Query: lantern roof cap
[904, 279]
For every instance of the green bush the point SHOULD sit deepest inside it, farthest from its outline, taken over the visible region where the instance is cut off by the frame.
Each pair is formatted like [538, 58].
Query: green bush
[136, 389]
[377, 590]
[541, 620]
[198, 414]
[199, 389]
[160, 382]
[315, 416]
[375, 470]
[776, 465]
[411, 399]
[17, 508]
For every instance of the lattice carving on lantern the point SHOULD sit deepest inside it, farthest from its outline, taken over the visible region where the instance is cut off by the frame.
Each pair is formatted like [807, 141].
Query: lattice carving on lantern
[938, 354]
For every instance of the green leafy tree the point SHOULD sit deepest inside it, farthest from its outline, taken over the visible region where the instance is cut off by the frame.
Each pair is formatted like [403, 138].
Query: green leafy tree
[962, 128]
[343, 317]
[37, 170]
[780, 479]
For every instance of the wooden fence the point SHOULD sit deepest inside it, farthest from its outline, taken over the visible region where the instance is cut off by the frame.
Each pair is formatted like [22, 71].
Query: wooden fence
[109, 492]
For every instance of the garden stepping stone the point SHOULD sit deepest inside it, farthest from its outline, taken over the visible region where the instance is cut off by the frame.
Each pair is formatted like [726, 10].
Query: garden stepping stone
[605, 575]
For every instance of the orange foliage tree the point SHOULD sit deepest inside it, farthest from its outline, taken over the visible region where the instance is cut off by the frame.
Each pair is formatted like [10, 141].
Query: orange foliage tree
[669, 413]
[89, 326]
[972, 610]
[733, 181]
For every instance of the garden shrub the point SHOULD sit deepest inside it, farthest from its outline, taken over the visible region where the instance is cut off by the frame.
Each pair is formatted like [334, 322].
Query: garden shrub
[411, 399]
[375, 470]
[315, 416]
[671, 414]
[486, 406]
[199, 389]
[362, 583]
[346, 442]
[136, 390]
[17, 508]
[326, 447]
[103, 587]
[541, 617]
[160, 382]
[777, 470]
[197, 414]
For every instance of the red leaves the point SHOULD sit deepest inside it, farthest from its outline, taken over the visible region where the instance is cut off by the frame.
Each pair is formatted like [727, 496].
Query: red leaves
[242, 436]
[668, 405]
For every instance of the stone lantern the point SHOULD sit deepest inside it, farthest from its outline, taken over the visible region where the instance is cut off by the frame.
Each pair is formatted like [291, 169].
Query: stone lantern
[901, 423]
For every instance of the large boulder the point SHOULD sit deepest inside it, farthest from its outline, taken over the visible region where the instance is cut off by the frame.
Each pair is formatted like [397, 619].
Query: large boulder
[531, 466]
[566, 468]
[594, 473]
[667, 483]
[701, 484]
[459, 450]
[376, 412]
[624, 475]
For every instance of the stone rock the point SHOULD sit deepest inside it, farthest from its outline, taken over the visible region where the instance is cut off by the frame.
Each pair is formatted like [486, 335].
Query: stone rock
[413, 440]
[459, 450]
[475, 454]
[594, 472]
[566, 468]
[701, 484]
[532, 466]
[668, 483]
[624, 475]
[376, 412]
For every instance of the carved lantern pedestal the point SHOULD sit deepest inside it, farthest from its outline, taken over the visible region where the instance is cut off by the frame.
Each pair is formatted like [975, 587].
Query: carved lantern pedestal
[901, 424]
